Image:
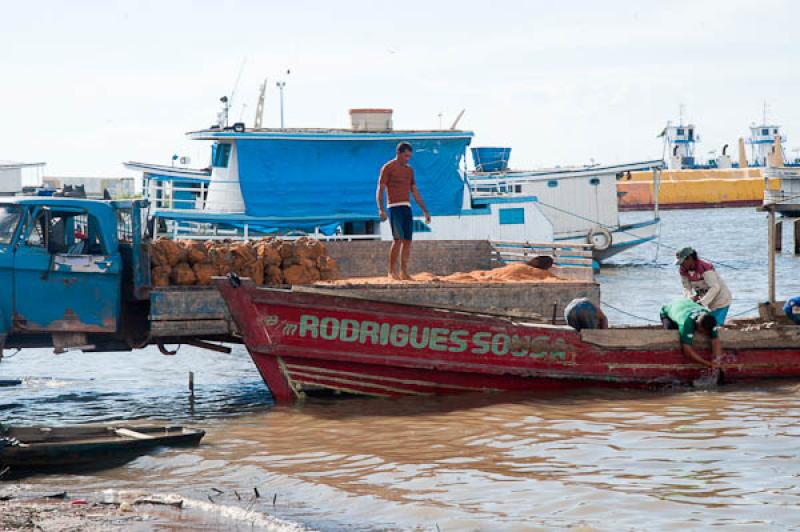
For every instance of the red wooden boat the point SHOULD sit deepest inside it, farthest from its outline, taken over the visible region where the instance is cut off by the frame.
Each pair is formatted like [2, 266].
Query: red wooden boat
[304, 340]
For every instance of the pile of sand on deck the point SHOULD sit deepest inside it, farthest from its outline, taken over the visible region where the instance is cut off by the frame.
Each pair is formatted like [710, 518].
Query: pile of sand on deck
[513, 273]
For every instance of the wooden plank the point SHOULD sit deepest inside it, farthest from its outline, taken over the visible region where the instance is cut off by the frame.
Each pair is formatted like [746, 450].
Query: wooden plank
[540, 244]
[341, 292]
[542, 251]
[187, 303]
[178, 328]
[631, 338]
[576, 260]
[658, 339]
[128, 433]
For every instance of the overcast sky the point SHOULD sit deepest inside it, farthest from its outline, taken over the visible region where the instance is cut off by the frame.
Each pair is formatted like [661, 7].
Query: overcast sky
[86, 85]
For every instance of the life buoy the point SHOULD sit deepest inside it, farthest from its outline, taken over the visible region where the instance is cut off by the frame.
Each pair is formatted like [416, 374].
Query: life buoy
[599, 238]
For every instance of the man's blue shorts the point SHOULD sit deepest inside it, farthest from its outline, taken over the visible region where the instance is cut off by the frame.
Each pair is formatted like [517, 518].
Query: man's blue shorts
[402, 222]
[720, 315]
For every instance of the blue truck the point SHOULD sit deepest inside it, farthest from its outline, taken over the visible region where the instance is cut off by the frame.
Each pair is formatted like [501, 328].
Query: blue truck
[75, 274]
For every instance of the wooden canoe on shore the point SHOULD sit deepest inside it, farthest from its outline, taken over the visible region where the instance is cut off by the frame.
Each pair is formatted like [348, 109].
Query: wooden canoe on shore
[33, 449]
[302, 341]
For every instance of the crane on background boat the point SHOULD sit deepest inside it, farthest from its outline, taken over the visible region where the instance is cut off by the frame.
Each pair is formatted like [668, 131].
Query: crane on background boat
[259, 118]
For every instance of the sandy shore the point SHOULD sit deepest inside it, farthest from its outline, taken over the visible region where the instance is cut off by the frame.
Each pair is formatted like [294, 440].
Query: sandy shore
[25, 509]
[53, 514]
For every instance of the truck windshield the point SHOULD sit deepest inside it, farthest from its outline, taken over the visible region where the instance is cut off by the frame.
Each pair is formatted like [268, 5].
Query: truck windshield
[9, 219]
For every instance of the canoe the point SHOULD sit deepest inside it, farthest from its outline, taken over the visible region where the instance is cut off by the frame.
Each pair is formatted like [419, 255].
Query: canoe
[30, 449]
[302, 341]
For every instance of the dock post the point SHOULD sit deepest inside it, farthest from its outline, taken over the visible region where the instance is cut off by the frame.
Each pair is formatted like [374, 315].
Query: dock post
[796, 224]
[779, 236]
[771, 262]
[191, 385]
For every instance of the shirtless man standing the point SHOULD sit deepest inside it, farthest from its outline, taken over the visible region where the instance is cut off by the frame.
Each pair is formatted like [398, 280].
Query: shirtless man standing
[397, 178]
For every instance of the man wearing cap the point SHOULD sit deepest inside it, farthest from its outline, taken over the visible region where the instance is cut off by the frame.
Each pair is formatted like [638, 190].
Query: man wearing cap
[702, 284]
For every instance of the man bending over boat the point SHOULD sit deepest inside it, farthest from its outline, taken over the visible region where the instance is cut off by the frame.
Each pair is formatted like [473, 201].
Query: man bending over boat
[397, 179]
[702, 283]
[581, 313]
[688, 316]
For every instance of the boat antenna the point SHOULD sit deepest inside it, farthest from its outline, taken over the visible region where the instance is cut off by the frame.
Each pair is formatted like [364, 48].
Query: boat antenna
[222, 116]
[458, 119]
[281, 84]
[259, 118]
[236, 83]
[227, 101]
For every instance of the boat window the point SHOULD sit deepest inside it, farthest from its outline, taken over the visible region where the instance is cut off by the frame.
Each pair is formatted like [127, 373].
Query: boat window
[514, 216]
[552, 183]
[594, 181]
[765, 131]
[9, 219]
[220, 154]
[680, 131]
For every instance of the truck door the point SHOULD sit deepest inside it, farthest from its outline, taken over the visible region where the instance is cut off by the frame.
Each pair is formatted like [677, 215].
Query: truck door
[65, 277]
[10, 216]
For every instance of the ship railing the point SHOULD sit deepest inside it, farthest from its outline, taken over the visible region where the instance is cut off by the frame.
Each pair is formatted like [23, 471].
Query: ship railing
[788, 191]
[192, 230]
[170, 195]
[494, 188]
[570, 261]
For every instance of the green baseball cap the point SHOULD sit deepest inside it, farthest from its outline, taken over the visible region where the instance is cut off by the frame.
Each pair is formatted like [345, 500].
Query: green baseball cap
[682, 253]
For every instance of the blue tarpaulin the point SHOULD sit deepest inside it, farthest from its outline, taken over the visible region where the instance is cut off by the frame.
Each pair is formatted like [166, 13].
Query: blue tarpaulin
[335, 178]
[264, 224]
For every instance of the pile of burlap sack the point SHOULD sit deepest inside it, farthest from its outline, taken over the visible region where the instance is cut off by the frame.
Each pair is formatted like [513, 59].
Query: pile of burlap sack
[270, 261]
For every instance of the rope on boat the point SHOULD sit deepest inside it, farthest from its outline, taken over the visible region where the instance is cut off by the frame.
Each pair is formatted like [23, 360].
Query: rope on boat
[628, 313]
[748, 311]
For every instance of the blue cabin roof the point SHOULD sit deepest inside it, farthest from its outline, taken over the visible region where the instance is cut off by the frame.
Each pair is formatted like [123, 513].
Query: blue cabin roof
[331, 174]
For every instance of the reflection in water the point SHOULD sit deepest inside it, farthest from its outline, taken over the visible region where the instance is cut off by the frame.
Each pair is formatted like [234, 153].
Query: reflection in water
[599, 459]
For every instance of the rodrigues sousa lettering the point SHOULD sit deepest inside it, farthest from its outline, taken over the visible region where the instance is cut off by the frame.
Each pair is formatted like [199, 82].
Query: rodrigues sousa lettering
[401, 335]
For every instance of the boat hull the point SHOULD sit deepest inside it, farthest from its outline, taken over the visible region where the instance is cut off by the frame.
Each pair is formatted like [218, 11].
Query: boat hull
[303, 341]
[694, 189]
[43, 449]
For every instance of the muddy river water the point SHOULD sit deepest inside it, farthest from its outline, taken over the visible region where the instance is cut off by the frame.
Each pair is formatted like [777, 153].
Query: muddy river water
[592, 460]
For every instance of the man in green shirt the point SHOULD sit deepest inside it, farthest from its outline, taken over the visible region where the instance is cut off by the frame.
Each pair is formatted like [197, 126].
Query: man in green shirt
[687, 316]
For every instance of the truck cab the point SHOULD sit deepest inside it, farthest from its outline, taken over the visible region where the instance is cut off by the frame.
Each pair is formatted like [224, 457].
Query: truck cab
[69, 267]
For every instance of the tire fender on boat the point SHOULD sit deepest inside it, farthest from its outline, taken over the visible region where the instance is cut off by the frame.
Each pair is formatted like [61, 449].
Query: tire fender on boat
[599, 237]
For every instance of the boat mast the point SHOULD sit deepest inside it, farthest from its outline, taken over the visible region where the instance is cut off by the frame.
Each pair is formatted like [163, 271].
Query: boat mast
[281, 84]
[259, 118]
